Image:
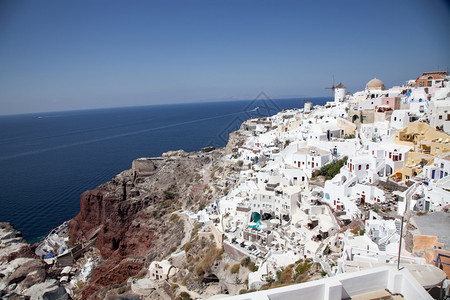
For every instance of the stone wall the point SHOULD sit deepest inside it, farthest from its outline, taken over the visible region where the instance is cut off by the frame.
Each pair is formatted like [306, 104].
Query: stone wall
[143, 167]
[233, 252]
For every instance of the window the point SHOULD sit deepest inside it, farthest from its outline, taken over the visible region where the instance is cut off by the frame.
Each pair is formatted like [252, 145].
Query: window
[359, 167]
[395, 118]
[440, 117]
[421, 84]
[367, 167]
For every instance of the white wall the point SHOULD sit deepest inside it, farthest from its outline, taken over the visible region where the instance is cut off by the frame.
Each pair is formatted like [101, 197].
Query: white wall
[400, 119]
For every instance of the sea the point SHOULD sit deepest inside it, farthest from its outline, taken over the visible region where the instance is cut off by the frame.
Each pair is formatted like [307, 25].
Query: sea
[48, 159]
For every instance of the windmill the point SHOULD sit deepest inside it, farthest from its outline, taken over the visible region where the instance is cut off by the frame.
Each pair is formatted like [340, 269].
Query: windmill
[332, 88]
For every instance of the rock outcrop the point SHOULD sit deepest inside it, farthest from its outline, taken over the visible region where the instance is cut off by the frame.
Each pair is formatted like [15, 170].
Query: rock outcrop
[20, 268]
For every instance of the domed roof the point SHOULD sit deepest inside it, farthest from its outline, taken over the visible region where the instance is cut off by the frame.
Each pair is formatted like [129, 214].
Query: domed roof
[375, 84]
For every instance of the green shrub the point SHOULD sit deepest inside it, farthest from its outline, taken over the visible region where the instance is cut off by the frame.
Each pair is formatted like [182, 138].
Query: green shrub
[245, 261]
[185, 296]
[332, 169]
[252, 267]
[235, 269]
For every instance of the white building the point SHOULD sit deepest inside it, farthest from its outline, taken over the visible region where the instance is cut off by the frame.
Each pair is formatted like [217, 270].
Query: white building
[276, 200]
[401, 118]
[309, 158]
[365, 193]
[439, 168]
[391, 155]
[161, 270]
[437, 195]
[375, 131]
[439, 114]
[339, 93]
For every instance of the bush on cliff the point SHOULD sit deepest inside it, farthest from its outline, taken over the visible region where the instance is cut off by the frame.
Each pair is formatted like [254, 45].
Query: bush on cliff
[245, 261]
[332, 169]
[184, 296]
[235, 268]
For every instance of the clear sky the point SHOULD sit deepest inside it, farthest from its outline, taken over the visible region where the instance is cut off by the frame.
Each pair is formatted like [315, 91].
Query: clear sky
[62, 55]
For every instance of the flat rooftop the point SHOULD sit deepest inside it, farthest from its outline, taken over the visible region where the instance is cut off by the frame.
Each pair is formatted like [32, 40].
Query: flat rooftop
[436, 223]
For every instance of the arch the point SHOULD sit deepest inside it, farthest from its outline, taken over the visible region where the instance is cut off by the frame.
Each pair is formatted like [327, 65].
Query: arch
[389, 170]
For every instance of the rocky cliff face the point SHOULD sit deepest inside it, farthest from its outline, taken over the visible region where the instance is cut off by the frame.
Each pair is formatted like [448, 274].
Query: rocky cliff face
[20, 269]
[130, 216]
[108, 217]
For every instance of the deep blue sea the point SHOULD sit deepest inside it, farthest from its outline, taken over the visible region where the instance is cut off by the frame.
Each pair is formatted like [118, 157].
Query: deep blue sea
[48, 159]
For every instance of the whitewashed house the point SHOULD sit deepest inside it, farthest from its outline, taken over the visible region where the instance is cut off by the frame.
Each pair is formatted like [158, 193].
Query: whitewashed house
[161, 270]
[439, 114]
[440, 168]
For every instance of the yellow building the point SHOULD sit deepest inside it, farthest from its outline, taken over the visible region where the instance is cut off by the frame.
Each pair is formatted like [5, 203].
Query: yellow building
[427, 143]
[423, 138]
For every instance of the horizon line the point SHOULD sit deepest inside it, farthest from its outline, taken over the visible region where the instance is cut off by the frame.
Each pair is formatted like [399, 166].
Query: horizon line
[155, 104]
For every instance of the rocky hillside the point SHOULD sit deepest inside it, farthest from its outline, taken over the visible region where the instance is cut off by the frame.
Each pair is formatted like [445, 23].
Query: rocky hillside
[134, 218]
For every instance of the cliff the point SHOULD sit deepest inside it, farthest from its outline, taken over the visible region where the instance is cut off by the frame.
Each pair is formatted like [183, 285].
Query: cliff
[131, 216]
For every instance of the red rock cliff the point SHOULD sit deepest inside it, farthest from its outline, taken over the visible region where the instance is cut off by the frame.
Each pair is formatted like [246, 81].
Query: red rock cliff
[131, 215]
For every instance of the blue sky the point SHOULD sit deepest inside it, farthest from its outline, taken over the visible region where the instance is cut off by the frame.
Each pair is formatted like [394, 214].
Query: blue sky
[62, 55]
